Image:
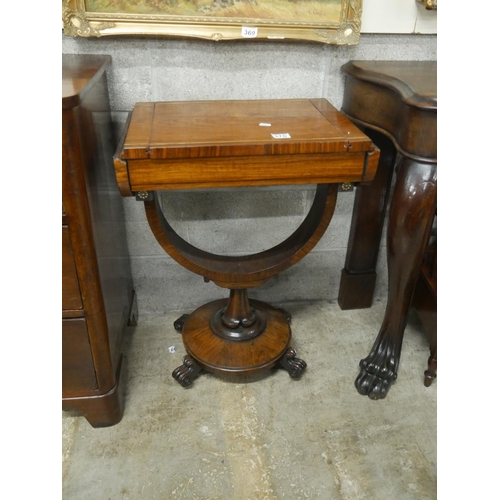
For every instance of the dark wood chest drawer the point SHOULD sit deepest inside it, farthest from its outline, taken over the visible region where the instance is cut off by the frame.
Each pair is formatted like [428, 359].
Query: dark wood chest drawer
[78, 372]
[71, 298]
[97, 290]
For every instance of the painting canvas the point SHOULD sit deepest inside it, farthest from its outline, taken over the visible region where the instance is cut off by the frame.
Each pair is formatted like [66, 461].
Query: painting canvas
[314, 11]
[327, 21]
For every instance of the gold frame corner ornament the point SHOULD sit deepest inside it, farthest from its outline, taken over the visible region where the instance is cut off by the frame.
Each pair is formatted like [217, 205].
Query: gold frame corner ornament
[429, 4]
[79, 22]
[76, 23]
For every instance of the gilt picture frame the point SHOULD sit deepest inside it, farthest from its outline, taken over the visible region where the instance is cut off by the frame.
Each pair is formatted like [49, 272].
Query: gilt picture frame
[325, 21]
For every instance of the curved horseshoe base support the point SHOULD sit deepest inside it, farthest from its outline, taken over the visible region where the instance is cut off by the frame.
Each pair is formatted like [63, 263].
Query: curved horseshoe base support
[240, 336]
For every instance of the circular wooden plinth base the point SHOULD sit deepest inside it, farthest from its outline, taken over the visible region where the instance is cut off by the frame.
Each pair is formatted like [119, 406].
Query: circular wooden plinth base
[221, 356]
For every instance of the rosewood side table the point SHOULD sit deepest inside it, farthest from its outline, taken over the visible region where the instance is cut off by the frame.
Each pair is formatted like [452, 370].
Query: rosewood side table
[395, 104]
[213, 144]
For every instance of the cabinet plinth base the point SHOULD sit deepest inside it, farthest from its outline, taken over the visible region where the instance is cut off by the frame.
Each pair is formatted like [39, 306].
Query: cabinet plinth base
[101, 410]
[223, 356]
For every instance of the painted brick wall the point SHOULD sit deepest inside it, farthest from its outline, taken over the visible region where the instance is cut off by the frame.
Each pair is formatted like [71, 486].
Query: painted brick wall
[237, 221]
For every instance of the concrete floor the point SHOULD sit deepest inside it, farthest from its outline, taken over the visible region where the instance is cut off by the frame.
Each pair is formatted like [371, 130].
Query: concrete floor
[277, 438]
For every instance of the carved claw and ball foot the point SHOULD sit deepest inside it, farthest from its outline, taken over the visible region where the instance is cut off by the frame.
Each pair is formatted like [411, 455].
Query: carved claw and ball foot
[293, 365]
[187, 372]
[378, 370]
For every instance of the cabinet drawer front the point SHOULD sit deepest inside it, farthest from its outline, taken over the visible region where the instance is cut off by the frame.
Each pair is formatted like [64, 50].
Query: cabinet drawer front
[78, 372]
[71, 298]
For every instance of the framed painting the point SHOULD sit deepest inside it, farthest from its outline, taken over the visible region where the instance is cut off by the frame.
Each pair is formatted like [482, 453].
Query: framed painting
[327, 21]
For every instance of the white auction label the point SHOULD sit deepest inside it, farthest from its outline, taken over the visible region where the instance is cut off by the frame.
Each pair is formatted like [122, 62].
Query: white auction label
[282, 136]
[249, 32]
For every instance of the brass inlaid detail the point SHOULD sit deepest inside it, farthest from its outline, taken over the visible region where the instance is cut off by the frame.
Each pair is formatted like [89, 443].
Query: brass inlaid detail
[142, 195]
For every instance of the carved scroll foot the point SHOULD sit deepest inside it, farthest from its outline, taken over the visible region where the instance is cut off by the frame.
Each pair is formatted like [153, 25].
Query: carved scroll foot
[187, 372]
[179, 323]
[430, 373]
[378, 371]
[293, 365]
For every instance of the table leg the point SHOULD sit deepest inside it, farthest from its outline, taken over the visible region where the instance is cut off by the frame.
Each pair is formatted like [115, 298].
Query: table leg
[357, 283]
[410, 220]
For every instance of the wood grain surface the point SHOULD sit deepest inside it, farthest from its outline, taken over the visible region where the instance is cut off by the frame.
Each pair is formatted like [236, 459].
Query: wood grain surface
[196, 129]
[240, 358]
[398, 99]
[99, 298]
[203, 144]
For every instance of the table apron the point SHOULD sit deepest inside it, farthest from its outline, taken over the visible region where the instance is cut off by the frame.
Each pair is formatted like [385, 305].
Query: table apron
[190, 173]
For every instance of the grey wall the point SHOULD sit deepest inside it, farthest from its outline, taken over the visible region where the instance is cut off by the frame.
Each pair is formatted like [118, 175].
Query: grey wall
[237, 221]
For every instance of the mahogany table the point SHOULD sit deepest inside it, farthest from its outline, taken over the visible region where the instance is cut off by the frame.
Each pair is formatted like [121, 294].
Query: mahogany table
[213, 144]
[395, 104]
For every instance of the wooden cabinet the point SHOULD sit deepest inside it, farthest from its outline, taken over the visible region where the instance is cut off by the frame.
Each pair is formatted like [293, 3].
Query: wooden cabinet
[98, 300]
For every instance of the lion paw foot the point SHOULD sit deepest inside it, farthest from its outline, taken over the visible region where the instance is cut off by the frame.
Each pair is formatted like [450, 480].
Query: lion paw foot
[378, 372]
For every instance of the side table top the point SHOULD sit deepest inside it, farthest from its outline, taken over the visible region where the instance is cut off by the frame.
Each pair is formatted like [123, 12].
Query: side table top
[239, 128]
[200, 144]
[414, 81]
[398, 99]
